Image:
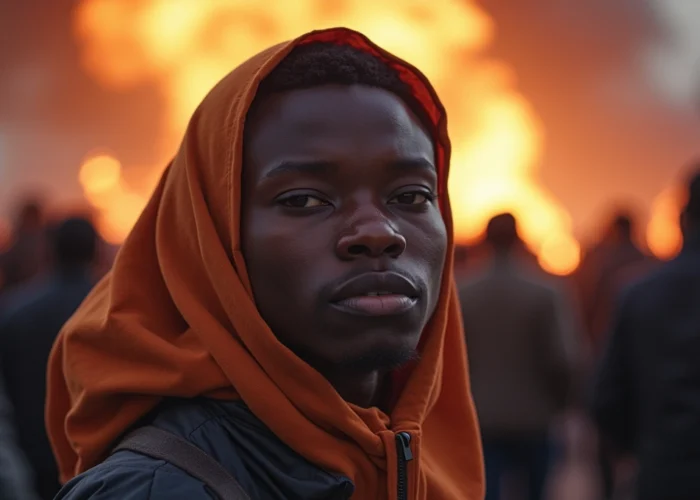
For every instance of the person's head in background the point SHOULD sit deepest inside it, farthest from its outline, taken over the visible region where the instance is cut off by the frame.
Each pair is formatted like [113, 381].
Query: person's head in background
[74, 245]
[502, 234]
[690, 217]
[620, 228]
[30, 216]
[623, 226]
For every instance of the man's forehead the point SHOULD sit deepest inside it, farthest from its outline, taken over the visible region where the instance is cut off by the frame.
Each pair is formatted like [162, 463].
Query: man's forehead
[317, 108]
[334, 120]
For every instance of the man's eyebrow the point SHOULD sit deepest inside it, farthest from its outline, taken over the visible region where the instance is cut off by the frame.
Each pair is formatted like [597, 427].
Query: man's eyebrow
[300, 167]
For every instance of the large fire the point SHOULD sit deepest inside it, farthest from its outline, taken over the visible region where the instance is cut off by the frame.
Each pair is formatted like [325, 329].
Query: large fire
[664, 236]
[185, 46]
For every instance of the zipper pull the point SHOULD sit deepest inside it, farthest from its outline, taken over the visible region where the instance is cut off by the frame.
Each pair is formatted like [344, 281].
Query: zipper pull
[404, 441]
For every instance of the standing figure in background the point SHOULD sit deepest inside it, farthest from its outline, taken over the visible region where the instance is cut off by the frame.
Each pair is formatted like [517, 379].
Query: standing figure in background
[647, 394]
[27, 332]
[605, 270]
[521, 340]
[602, 273]
[26, 257]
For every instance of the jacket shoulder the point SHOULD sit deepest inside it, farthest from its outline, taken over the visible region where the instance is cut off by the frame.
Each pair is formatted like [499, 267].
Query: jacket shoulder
[127, 475]
[263, 465]
[660, 285]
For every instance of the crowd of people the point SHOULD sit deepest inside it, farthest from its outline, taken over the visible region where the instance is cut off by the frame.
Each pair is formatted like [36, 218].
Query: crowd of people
[616, 341]
[46, 272]
[172, 341]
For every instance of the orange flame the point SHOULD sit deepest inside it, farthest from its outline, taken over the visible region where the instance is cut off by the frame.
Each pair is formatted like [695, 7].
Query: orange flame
[117, 206]
[185, 47]
[664, 236]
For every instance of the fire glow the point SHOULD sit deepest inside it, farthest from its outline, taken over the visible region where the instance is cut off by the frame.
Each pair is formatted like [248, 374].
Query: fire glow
[186, 46]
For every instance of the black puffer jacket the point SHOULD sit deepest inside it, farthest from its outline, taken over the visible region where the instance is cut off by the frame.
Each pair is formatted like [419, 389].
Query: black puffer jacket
[264, 466]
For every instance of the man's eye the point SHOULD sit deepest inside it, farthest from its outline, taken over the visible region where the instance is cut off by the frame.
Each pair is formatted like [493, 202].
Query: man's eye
[302, 201]
[413, 198]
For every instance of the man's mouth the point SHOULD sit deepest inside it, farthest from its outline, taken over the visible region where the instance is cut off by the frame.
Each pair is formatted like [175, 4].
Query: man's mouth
[377, 305]
[377, 294]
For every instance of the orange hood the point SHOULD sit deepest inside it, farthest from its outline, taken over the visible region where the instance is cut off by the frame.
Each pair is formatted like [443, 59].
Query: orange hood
[176, 318]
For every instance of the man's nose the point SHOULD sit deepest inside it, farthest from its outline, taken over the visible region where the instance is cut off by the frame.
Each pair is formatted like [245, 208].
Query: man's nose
[371, 236]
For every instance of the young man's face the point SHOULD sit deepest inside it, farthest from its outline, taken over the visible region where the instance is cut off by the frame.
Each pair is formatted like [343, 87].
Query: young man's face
[342, 235]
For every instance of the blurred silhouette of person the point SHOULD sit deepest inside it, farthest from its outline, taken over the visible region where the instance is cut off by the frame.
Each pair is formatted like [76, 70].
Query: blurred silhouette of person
[600, 274]
[521, 339]
[647, 393]
[604, 271]
[26, 256]
[15, 473]
[27, 332]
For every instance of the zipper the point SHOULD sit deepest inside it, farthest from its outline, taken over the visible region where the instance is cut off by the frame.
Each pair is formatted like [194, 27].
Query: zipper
[404, 455]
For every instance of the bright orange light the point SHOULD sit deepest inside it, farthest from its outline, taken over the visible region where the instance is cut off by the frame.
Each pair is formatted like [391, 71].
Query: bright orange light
[184, 47]
[560, 254]
[99, 175]
[118, 207]
[664, 236]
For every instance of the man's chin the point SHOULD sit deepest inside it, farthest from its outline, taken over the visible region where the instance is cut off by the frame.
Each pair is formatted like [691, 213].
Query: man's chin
[378, 354]
[376, 360]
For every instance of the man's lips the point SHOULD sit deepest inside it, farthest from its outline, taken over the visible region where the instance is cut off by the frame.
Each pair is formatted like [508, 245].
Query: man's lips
[379, 305]
[376, 294]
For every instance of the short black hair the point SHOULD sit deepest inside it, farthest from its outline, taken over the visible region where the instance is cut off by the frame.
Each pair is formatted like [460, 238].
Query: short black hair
[502, 231]
[74, 241]
[321, 63]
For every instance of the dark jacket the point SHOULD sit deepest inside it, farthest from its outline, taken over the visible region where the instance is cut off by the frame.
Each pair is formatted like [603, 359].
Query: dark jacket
[30, 322]
[647, 396]
[264, 466]
[521, 338]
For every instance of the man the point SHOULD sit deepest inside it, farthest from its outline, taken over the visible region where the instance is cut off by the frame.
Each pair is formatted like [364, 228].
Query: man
[29, 329]
[26, 257]
[615, 258]
[647, 397]
[520, 335]
[285, 301]
[606, 269]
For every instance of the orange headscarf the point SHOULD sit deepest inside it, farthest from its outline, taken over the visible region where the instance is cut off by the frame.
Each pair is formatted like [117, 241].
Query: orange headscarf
[176, 317]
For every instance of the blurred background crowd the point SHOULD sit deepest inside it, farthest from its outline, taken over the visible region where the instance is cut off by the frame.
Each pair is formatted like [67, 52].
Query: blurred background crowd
[576, 133]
